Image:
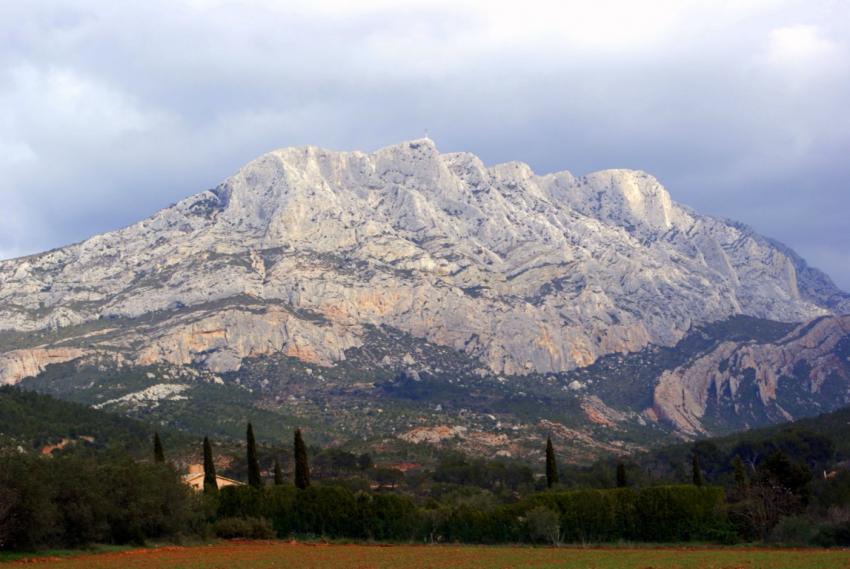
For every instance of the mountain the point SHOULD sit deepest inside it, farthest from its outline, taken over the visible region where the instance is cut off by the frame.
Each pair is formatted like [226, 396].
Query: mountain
[310, 267]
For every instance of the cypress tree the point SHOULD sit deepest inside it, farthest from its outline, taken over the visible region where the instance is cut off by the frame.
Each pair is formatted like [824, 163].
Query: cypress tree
[741, 481]
[210, 482]
[551, 465]
[254, 478]
[621, 476]
[158, 453]
[278, 475]
[302, 468]
[697, 471]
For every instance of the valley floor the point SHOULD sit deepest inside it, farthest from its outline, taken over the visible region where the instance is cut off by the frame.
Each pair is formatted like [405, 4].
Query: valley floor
[278, 554]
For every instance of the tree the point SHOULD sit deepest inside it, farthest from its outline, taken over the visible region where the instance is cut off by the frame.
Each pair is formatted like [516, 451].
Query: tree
[789, 474]
[254, 478]
[741, 481]
[8, 525]
[711, 459]
[551, 465]
[302, 468]
[210, 482]
[388, 477]
[697, 471]
[158, 453]
[766, 504]
[364, 461]
[278, 474]
[621, 476]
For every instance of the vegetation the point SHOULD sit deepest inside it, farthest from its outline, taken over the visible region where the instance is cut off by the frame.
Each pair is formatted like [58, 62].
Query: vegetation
[696, 471]
[33, 422]
[254, 478]
[158, 452]
[210, 481]
[622, 481]
[278, 474]
[663, 513]
[551, 464]
[788, 485]
[71, 501]
[302, 468]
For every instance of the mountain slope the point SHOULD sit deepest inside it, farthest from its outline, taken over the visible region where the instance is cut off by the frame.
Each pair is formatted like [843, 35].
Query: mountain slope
[31, 422]
[303, 248]
[738, 384]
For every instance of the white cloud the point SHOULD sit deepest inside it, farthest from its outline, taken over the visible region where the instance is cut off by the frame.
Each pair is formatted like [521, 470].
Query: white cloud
[800, 45]
[63, 100]
[14, 153]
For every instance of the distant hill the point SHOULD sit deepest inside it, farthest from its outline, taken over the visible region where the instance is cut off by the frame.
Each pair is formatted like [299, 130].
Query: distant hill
[38, 423]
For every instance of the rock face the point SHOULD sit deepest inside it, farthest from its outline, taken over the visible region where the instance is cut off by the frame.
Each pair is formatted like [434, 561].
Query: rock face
[302, 247]
[15, 365]
[805, 372]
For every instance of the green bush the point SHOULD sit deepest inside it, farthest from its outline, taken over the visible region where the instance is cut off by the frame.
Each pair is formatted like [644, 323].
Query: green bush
[659, 513]
[794, 530]
[834, 535]
[240, 502]
[544, 525]
[332, 511]
[244, 528]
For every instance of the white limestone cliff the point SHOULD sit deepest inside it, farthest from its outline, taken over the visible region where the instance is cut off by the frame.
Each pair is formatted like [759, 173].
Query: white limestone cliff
[526, 272]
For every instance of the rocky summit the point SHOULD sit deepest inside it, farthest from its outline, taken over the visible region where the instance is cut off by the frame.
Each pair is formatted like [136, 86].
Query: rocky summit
[313, 257]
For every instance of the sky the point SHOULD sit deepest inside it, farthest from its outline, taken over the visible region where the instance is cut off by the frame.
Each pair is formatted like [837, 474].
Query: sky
[110, 111]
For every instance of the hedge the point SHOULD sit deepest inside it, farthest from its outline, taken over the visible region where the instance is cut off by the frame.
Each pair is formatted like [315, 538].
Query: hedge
[658, 514]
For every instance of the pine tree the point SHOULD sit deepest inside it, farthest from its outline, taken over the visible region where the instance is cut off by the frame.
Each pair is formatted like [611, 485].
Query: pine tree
[278, 475]
[621, 476]
[302, 468]
[254, 478]
[697, 471]
[158, 453]
[210, 482]
[551, 465]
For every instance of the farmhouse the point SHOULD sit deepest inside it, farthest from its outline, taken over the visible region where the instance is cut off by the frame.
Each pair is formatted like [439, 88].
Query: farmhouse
[195, 478]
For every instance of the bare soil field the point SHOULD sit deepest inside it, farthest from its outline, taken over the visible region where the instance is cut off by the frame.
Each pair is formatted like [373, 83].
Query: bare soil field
[279, 555]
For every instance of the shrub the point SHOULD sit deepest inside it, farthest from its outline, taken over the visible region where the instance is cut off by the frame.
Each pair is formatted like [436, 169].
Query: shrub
[244, 528]
[543, 525]
[793, 530]
[240, 502]
[834, 535]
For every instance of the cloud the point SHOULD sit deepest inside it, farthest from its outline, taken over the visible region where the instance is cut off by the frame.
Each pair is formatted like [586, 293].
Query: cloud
[800, 44]
[109, 112]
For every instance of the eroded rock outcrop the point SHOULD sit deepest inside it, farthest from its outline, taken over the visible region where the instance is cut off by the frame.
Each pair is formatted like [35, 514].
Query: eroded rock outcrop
[735, 375]
[18, 364]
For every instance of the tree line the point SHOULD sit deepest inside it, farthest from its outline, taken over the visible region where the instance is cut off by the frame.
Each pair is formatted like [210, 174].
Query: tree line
[765, 491]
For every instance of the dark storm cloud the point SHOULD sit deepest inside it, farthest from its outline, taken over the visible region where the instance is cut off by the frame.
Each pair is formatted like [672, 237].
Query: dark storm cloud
[109, 113]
